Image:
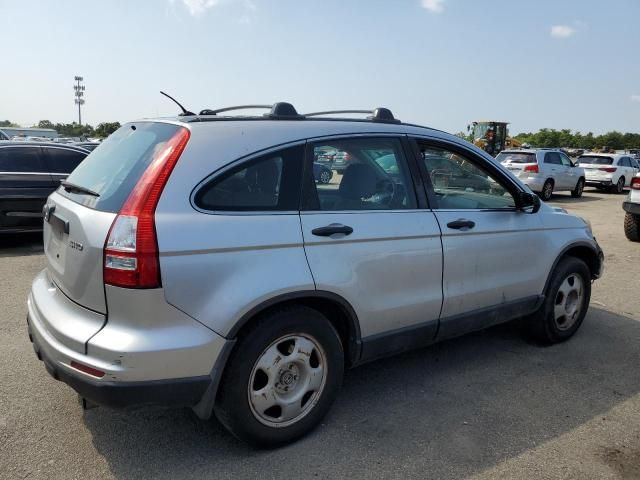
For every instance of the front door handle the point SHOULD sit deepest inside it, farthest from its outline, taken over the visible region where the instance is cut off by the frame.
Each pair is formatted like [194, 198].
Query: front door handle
[331, 229]
[461, 224]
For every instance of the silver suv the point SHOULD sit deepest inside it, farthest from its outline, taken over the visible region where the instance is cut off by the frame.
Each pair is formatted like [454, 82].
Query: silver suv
[545, 171]
[196, 262]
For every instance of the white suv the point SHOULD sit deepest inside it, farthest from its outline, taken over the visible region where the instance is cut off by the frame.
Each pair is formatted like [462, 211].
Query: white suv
[612, 171]
[195, 261]
[631, 206]
[545, 171]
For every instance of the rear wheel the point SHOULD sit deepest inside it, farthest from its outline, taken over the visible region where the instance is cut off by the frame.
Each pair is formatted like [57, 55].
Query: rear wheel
[325, 176]
[632, 226]
[281, 378]
[566, 303]
[547, 190]
[619, 186]
[577, 192]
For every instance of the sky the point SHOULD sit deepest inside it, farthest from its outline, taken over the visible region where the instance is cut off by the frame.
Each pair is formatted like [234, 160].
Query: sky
[441, 63]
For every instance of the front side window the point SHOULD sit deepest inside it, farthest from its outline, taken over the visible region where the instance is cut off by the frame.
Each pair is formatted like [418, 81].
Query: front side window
[63, 160]
[459, 183]
[566, 161]
[270, 182]
[21, 159]
[375, 176]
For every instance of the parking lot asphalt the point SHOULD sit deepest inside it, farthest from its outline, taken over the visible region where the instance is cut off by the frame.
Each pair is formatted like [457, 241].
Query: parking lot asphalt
[487, 405]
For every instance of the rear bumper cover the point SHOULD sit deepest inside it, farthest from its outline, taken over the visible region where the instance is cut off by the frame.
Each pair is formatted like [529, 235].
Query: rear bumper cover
[598, 183]
[631, 207]
[178, 392]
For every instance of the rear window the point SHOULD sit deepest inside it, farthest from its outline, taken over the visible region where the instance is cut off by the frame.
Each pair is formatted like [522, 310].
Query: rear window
[593, 160]
[516, 157]
[113, 170]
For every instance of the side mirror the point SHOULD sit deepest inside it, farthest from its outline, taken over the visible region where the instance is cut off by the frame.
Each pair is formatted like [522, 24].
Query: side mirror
[528, 202]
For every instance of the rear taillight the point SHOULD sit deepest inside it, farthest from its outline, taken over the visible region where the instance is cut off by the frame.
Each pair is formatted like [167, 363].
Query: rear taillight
[347, 157]
[635, 183]
[531, 168]
[131, 251]
[607, 169]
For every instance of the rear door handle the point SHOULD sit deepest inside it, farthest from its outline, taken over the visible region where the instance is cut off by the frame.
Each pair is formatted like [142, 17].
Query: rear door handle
[331, 229]
[461, 224]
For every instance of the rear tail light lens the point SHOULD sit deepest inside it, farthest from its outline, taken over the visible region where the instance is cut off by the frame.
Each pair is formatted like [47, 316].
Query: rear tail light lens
[531, 168]
[607, 169]
[131, 257]
[635, 183]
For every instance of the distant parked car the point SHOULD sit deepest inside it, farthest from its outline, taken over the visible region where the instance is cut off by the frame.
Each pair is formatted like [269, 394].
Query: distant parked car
[611, 171]
[341, 161]
[321, 173]
[545, 171]
[631, 206]
[29, 173]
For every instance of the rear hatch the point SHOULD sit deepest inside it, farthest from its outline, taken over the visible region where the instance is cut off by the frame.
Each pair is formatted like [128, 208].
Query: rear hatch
[80, 213]
[596, 166]
[518, 162]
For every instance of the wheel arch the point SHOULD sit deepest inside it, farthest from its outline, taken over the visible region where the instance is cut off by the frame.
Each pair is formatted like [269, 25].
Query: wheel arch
[584, 251]
[338, 311]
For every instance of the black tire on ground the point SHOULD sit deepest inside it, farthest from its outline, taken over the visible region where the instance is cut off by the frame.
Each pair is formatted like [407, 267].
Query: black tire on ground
[577, 192]
[547, 190]
[233, 407]
[632, 226]
[619, 186]
[543, 325]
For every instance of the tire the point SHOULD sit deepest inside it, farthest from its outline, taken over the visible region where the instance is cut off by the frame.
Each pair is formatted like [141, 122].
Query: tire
[325, 176]
[619, 187]
[547, 190]
[632, 226]
[289, 352]
[577, 192]
[565, 305]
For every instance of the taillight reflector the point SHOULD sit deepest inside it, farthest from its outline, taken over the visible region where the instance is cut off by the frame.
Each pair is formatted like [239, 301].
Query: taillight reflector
[94, 372]
[531, 168]
[131, 251]
[607, 169]
[635, 183]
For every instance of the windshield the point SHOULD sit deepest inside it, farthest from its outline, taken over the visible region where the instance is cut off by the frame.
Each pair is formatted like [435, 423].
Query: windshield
[516, 157]
[480, 130]
[113, 170]
[593, 160]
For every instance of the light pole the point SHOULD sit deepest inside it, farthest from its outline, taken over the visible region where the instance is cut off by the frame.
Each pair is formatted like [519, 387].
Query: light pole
[79, 88]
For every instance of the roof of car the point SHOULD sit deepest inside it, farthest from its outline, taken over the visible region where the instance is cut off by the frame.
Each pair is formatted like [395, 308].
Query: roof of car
[30, 143]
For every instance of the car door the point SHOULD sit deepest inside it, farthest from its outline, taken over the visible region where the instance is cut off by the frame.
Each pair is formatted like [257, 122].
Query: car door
[367, 240]
[571, 177]
[627, 170]
[491, 249]
[61, 161]
[553, 164]
[25, 185]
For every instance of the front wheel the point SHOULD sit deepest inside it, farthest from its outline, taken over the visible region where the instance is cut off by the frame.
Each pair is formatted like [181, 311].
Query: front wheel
[282, 377]
[577, 192]
[566, 303]
[632, 226]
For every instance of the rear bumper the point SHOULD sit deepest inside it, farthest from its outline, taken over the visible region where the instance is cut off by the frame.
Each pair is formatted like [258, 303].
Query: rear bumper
[177, 392]
[598, 183]
[631, 207]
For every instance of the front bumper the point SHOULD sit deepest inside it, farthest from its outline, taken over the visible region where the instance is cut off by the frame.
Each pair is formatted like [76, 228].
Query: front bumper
[631, 207]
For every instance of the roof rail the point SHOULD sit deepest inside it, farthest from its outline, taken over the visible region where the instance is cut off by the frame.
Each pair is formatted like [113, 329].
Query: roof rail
[228, 109]
[379, 114]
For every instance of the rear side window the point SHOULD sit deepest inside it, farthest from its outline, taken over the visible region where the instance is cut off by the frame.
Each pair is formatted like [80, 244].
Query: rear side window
[21, 159]
[270, 182]
[593, 160]
[552, 158]
[518, 157]
[63, 160]
[113, 170]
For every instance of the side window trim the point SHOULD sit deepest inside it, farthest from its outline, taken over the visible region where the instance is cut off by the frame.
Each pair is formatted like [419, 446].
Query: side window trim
[309, 202]
[237, 164]
[503, 179]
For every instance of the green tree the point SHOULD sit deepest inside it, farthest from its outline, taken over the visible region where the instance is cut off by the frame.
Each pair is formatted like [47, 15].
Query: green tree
[7, 123]
[105, 129]
[45, 124]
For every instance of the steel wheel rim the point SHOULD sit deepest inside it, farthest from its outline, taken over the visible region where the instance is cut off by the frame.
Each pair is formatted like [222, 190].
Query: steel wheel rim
[287, 380]
[568, 302]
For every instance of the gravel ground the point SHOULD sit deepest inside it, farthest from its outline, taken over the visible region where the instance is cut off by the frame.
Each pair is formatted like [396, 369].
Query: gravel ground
[488, 405]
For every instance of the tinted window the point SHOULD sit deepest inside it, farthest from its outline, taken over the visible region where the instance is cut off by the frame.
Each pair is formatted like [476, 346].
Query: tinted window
[114, 169]
[516, 157]
[624, 162]
[375, 176]
[62, 160]
[595, 160]
[21, 159]
[270, 182]
[553, 158]
[565, 160]
[460, 183]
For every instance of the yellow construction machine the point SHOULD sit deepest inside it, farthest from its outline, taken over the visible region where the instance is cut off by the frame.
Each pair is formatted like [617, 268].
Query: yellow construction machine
[492, 137]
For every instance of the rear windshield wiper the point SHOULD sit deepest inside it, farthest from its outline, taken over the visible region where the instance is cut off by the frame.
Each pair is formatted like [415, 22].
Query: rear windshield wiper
[73, 188]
